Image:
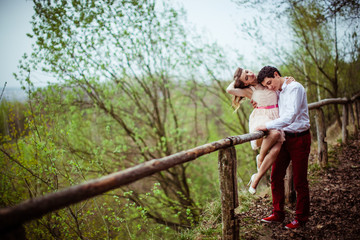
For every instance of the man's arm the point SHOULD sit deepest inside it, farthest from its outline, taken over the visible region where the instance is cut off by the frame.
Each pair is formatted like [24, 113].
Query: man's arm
[294, 100]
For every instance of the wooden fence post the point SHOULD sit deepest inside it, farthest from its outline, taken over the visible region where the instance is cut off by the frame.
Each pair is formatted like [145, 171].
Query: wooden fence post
[344, 124]
[321, 135]
[229, 193]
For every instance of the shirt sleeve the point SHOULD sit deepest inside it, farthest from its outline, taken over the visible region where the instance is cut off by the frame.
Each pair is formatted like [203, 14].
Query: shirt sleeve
[293, 100]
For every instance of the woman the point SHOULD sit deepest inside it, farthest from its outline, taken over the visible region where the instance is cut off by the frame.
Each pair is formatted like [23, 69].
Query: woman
[245, 85]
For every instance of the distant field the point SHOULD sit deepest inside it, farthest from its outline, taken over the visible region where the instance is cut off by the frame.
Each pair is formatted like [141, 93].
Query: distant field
[13, 93]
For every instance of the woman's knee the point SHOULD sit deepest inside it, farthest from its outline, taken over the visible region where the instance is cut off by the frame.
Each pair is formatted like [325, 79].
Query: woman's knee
[274, 134]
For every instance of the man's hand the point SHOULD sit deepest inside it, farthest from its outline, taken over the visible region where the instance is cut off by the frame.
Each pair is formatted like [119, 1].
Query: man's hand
[253, 103]
[261, 128]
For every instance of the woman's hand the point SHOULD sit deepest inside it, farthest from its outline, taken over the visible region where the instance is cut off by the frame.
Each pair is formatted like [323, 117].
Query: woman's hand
[289, 80]
[240, 92]
[230, 87]
[253, 103]
[261, 128]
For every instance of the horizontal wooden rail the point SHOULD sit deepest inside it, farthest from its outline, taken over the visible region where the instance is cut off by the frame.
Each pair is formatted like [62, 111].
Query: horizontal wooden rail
[328, 101]
[324, 102]
[12, 217]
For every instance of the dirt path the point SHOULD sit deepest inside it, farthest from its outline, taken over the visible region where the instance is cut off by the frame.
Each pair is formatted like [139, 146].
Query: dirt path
[335, 203]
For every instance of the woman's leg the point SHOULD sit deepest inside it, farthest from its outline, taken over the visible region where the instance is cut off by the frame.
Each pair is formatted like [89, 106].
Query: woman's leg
[271, 139]
[270, 158]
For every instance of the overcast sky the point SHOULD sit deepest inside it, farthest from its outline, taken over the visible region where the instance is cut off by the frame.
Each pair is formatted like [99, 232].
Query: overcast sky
[14, 24]
[217, 18]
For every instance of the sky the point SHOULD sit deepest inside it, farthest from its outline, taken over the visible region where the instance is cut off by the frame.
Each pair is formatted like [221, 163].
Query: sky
[217, 19]
[15, 16]
[220, 19]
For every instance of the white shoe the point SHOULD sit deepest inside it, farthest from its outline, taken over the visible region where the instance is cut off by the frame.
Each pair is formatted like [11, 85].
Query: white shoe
[251, 189]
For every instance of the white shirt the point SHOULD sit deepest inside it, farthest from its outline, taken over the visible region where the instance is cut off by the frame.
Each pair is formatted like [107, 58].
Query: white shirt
[293, 109]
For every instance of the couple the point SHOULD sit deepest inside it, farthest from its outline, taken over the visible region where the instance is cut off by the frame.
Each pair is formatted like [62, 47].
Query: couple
[281, 109]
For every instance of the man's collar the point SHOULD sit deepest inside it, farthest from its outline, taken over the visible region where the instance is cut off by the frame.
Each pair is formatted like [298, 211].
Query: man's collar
[283, 86]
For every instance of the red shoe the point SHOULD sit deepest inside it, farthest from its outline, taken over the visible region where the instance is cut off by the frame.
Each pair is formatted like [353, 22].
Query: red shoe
[273, 219]
[294, 225]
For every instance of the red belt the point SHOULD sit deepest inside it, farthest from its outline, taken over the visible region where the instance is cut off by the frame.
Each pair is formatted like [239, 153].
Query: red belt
[269, 107]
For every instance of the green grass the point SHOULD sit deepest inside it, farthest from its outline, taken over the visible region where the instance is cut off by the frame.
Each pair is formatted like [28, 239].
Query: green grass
[210, 224]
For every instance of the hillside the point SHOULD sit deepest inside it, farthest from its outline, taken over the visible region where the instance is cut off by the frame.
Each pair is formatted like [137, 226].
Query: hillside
[335, 202]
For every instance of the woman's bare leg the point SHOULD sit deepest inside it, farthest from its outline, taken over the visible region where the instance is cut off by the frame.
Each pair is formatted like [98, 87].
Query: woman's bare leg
[267, 143]
[268, 161]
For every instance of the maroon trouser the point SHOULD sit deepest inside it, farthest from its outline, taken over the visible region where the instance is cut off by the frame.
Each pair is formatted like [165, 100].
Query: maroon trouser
[297, 150]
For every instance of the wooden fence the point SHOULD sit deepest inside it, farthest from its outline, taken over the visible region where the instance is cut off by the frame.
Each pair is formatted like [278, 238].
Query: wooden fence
[350, 107]
[12, 218]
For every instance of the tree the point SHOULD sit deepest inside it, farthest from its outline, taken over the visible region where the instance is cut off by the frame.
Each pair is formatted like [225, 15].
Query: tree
[119, 67]
[317, 54]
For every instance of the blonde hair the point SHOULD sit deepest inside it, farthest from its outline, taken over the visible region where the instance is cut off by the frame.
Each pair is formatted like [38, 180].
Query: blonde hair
[236, 101]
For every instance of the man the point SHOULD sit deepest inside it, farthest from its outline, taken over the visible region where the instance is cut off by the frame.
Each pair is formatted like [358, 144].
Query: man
[294, 120]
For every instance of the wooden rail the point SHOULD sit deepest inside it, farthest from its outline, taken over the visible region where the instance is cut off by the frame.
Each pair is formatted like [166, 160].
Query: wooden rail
[12, 218]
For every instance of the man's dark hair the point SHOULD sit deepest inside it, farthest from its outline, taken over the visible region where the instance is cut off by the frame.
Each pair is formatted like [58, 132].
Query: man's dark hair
[267, 71]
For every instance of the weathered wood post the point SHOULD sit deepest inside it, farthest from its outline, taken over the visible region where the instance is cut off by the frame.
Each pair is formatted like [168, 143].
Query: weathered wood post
[229, 193]
[321, 135]
[344, 124]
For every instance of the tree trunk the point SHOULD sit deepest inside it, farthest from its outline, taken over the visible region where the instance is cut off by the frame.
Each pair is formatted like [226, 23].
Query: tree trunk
[353, 117]
[337, 114]
[290, 195]
[344, 123]
[357, 106]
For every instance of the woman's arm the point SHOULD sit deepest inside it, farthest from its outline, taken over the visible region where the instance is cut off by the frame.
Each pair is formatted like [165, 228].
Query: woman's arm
[240, 92]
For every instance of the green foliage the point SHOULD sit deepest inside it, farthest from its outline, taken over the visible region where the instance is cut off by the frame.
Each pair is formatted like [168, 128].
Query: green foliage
[123, 96]
[68, 144]
[133, 85]
[318, 44]
[12, 119]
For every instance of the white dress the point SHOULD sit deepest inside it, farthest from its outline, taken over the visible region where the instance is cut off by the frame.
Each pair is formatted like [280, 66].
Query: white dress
[266, 110]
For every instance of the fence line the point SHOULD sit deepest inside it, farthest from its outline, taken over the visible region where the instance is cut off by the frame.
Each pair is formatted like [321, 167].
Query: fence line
[13, 217]
[320, 122]
[34, 208]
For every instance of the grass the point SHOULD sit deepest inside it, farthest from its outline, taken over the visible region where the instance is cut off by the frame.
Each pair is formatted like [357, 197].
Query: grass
[210, 224]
